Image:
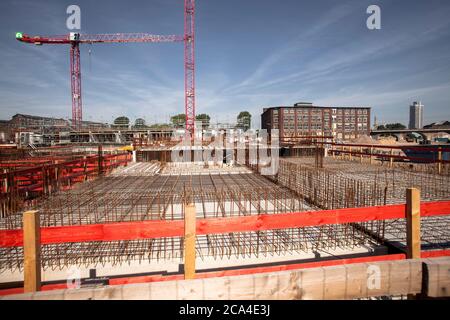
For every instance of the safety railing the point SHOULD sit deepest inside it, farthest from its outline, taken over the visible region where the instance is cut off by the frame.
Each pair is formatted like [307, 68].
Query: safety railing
[27, 184]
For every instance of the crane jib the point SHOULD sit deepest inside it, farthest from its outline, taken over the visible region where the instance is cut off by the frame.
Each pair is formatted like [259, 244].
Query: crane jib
[74, 39]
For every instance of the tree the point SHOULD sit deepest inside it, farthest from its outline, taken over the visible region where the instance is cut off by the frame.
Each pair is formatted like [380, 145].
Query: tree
[395, 126]
[160, 126]
[391, 126]
[244, 120]
[178, 120]
[139, 123]
[122, 122]
[204, 118]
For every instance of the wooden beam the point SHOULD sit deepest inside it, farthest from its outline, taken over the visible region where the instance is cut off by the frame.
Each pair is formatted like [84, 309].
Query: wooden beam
[100, 159]
[391, 158]
[189, 241]
[439, 160]
[336, 282]
[246, 271]
[32, 251]
[413, 223]
[437, 277]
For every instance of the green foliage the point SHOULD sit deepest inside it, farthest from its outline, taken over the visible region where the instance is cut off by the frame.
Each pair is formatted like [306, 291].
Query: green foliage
[178, 120]
[139, 122]
[391, 126]
[122, 121]
[204, 118]
[244, 120]
[395, 126]
[160, 126]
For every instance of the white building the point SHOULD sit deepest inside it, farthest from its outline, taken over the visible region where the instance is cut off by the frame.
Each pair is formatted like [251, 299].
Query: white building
[416, 115]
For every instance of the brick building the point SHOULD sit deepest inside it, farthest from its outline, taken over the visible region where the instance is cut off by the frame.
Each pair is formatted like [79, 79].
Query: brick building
[28, 122]
[305, 119]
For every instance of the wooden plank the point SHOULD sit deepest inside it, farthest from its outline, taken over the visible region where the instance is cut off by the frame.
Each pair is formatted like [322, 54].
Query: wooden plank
[255, 270]
[413, 223]
[391, 158]
[32, 251]
[439, 160]
[401, 272]
[189, 241]
[437, 277]
[335, 282]
[166, 228]
[227, 273]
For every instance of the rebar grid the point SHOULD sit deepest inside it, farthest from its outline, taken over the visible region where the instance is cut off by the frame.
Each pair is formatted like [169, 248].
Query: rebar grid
[119, 198]
[60, 153]
[381, 158]
[434, 230]
[131, 195]
[343, 184]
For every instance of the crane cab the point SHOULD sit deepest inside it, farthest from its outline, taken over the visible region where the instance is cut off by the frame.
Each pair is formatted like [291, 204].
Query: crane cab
[37, 41]
[74, 36]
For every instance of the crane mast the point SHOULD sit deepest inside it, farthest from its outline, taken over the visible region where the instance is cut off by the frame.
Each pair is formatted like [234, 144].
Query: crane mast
[189, 64]
[75, 84]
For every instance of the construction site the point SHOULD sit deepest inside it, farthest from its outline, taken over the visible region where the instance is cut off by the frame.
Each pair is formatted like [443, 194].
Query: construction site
[143, 214]
[98, 187]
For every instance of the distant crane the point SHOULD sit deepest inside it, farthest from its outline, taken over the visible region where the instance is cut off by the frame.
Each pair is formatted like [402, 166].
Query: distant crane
[75, 39]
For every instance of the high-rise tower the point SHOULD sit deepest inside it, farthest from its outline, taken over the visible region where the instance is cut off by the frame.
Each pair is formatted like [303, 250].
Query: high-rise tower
[416, 115]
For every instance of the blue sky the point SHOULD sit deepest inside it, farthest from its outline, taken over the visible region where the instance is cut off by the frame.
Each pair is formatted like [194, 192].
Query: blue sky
[249, 54]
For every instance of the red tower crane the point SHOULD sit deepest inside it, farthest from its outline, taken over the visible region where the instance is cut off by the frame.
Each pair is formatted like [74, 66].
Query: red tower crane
[189, 64]
[75, 39]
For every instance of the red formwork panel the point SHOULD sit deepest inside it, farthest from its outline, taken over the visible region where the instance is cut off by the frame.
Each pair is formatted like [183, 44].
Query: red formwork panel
[136, 230]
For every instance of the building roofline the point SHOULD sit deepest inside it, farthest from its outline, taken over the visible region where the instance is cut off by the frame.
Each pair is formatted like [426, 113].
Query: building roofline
[36, 117]
[311, 106]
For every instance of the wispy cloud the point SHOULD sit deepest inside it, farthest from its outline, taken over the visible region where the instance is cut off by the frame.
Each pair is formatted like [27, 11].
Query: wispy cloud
[295, 45]
[332, 59]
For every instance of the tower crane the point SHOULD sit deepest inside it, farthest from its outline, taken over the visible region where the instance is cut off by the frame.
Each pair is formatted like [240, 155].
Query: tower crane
[75, 39]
